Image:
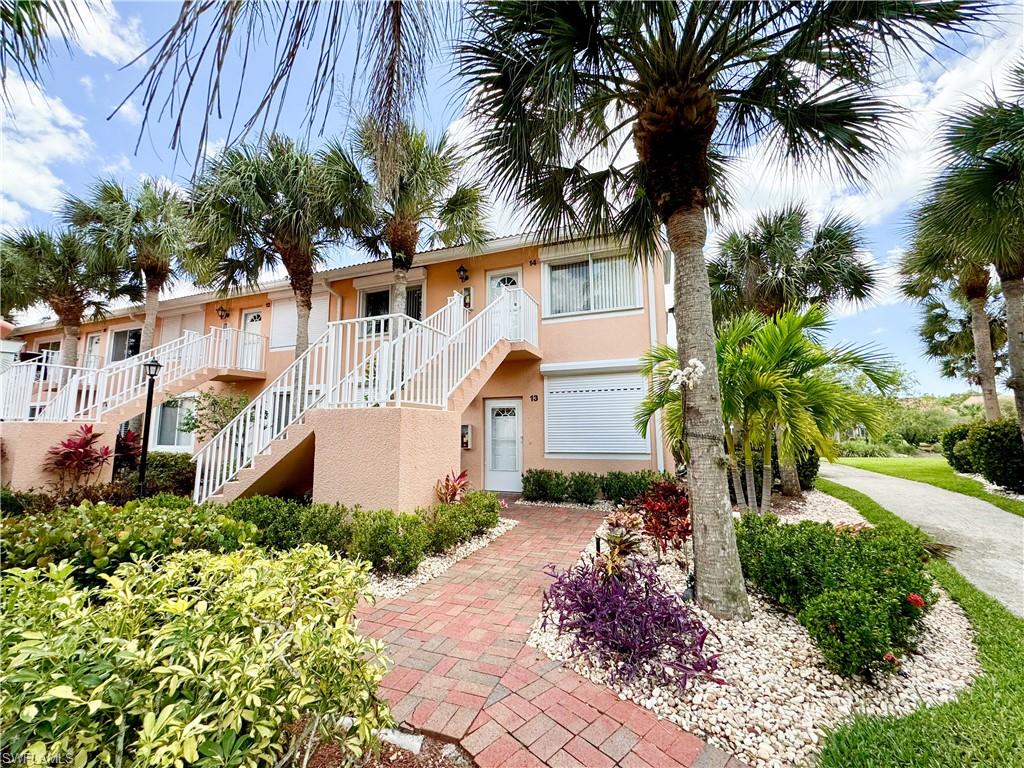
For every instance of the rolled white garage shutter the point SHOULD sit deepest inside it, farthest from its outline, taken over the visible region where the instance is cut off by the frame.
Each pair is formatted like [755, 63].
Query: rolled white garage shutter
[593, 414]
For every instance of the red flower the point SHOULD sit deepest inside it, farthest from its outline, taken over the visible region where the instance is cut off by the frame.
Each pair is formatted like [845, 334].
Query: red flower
[915, 600]
[890, 658]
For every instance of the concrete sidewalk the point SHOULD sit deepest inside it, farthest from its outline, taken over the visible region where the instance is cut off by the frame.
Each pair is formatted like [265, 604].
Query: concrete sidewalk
[989, 540]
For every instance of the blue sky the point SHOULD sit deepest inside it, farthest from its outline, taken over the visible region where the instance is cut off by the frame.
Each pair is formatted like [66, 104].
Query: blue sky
[58, 138]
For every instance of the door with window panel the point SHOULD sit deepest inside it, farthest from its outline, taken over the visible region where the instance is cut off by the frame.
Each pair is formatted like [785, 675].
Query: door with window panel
[503, 445]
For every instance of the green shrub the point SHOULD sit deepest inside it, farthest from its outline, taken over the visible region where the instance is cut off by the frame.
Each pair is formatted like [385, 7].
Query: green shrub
[447, 526]
[11, 502]
[997, 452]
[619, 487]
[797, 564]
[545, 485]
[584, 487]
[484, 509]
[166, 472]
[391, 543]
[849, 628]
[862, 448]
[279, 520]
[204, 660]
[98, 537]
[807, 465]
[951, 438]
[326, 524]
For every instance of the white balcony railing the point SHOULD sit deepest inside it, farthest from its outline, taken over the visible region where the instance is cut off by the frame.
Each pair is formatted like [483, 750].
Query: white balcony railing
[34, 391]
[382, 361]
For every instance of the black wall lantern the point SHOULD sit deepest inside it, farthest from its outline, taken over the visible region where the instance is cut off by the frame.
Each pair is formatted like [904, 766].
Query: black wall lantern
[463, 273]
[223, 313]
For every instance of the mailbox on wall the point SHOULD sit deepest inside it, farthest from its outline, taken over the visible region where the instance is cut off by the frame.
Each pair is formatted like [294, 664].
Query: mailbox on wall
[467, 437]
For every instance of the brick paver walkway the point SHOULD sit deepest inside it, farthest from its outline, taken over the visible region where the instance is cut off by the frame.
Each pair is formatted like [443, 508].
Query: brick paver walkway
[463, 671]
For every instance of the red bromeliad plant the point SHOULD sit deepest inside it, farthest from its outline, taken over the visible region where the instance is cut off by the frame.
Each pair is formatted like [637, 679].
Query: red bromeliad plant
[452, 487]
[77, 457]
[665, 509]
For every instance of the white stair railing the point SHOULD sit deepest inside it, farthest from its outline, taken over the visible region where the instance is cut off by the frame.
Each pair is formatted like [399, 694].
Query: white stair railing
[379, 361]
[346, 346]
[30, 389]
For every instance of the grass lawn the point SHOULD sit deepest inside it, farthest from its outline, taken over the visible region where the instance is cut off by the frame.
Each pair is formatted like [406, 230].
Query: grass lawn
[982, 727]
[935, 470]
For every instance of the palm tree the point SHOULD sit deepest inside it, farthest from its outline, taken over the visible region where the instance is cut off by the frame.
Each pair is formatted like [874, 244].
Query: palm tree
[259, 206]
[425, 204]
[565, 92]
[780, 261]
[60, 270]
[931, 269]
[145, 229]
[948, 332]
[777, 379]
[26, 32]
[977, 204]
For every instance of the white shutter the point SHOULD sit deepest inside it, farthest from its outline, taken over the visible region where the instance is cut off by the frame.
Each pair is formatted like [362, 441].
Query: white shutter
[170, 328]
[283, 323]
[194, 321]
[318, 317]
[593, 414]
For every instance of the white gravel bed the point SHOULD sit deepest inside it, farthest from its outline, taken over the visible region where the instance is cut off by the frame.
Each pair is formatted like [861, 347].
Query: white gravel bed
[992, 488]
[601, 505]
[821, 508]
[779, 696]
[390, 587]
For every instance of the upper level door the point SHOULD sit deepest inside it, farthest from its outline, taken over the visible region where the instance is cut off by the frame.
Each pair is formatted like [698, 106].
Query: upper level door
[92, 351]
[505, 278]
[252, 339]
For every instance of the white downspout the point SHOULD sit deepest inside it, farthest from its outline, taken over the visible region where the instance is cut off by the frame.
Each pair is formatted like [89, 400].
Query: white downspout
[652, 316]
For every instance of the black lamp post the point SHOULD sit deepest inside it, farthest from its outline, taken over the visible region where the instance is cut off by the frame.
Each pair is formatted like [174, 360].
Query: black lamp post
[152, 368]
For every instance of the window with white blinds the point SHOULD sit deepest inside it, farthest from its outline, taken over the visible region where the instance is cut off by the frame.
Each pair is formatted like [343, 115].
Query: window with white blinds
[593, 414]
[592, 284]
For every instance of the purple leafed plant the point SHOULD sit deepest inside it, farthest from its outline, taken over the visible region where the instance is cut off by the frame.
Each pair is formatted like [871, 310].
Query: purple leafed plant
[629, 621]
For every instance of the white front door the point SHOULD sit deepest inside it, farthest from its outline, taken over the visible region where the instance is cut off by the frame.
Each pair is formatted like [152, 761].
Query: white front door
[506, 278]
[252, 340]
[92, 351]
[503, 459]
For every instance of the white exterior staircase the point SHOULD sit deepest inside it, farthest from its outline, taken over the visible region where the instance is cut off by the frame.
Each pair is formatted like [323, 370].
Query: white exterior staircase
[386, 361]
[43, 391]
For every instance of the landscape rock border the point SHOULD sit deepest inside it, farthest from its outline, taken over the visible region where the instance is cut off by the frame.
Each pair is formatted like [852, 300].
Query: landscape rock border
[780, 697]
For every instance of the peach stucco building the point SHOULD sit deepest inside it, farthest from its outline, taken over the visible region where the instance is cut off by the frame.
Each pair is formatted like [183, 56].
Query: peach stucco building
[516, 357]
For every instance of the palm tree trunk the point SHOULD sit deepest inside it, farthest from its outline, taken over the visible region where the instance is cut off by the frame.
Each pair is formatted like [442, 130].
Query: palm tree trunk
[789, 475]
[1013, 291]
[399, 290]
[750, 492]
[303, 306]
[983, 354]
[734, 468]
[69, 344]
[149, 323]
[766, 473]
[719, 577]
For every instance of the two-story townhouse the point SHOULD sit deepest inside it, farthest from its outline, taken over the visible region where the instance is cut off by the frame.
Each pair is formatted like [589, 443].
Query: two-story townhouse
[528, 357]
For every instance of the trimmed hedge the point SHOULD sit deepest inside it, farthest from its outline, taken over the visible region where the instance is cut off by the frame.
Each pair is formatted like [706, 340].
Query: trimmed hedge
[856, 592]
[951, 438]
[585, 487]
[96, 538]
[996, 450]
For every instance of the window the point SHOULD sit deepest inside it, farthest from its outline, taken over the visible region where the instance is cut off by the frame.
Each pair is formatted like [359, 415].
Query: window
[593, 414]
[592, 284]
[124, 344]
[168, 428]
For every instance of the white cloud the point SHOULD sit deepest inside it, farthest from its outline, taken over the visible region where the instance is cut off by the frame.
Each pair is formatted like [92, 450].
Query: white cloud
[887, 291]
[213, 148]
[129, 112]
[100, 31]
[12, 215]
[119, 166]
[39, 133]
[927, 92]
[87, 83]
